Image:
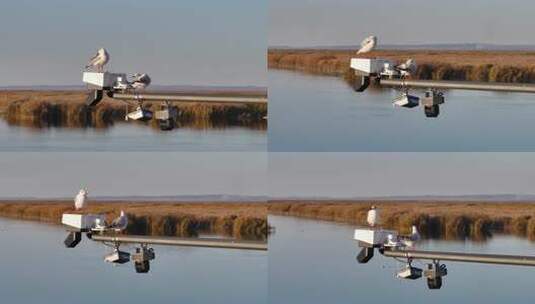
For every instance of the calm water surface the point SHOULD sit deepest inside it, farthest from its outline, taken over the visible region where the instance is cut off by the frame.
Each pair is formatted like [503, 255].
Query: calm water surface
[314, 262]
[130, 137]
[314, 113]
[36, 268]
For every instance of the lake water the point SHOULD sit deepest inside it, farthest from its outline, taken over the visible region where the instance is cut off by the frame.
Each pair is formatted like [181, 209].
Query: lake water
[314, 262]
[35, 267]
[130, 137]
[315, 113]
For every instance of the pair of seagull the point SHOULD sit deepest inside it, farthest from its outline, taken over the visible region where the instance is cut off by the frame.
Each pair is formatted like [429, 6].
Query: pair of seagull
[118, 224]
[369, 43]
[139, 80]
[373, 221]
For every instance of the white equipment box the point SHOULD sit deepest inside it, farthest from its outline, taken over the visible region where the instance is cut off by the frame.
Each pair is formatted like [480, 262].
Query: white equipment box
[105, 80]
[370, 66]
[374, 237]
[81, 221]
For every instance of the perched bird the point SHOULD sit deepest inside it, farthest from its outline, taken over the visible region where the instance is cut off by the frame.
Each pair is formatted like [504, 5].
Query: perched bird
[367, 45]
[120, 223]
[100, 224]
[373, 217]
[79, 199]
[407, 68]
[415, 235]
[140, 81]
[99, 60]
[411, 239]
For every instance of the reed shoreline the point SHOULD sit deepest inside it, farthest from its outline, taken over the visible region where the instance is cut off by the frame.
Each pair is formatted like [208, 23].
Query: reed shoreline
[434, 219]
[43, 109]
[486, 66]
[242, 220]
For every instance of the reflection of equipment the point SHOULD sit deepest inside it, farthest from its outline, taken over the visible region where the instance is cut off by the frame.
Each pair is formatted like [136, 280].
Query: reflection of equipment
[407, 101]
[139, 114]
[391, 244]
[434, 273]
[383, 71]
[166, 116]
[142, 258]
[117, 86]
[431, 103]
[117, 257]
[94, 225]
[410, 272]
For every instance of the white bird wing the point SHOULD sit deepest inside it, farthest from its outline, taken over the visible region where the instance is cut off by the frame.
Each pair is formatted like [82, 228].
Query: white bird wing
[93, 59]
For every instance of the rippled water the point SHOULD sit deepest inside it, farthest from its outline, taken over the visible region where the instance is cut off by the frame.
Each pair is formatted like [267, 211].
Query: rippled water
[314, 262]
[35, 267]
[130, 137]
[314, 113]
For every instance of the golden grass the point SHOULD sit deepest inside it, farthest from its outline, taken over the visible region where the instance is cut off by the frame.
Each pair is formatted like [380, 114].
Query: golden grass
[435, 219]
[491, 66]
[244, 220]
[67, 109]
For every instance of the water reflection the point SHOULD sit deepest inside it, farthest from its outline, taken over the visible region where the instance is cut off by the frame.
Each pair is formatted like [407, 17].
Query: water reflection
[314, 262]
[130, 137]
[36, 268]
[314, 113]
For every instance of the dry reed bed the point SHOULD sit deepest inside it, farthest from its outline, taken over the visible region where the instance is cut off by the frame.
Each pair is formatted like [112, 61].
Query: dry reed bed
[67, 109]
[488, 66]
[435, 219]
[247, 220]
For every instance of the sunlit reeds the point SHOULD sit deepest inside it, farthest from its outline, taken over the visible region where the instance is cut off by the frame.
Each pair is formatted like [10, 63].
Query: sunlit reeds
[239, 220]
[445, 220]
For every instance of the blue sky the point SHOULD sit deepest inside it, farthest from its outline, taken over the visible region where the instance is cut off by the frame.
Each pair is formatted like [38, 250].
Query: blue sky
[335, 22]
[183, 42]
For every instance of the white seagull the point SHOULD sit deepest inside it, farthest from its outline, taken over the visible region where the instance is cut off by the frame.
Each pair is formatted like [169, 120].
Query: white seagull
[99, 60]
[367, 45]
[140, 81]
[120, 223]
[373, 217]
[415, 235]
[407, 68]
[79, 199]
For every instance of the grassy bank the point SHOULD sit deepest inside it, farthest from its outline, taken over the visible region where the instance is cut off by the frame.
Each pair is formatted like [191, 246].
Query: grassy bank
[239, 220]
[488, 66]
[445, 220]
[42, 109]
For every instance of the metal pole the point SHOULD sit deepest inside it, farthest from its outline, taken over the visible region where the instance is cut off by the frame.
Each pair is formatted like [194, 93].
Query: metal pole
[462, 257]
[461, 85]
[192, 98]
[191, 242]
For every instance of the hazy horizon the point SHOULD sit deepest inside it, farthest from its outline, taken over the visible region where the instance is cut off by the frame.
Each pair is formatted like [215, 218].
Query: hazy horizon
[61, 175]
[347, 22]
[201, 42]
[342, 175]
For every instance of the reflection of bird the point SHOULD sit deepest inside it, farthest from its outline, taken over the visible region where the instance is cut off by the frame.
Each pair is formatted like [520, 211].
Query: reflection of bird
[367, 45]
[79, 199]
[140, 81]
[120, 223]
[407, 68]
[373, 217]
[99, 60]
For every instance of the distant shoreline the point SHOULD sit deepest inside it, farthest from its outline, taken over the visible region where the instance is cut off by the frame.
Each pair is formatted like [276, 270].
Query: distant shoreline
[470, 65]
[43, 109]
[244, 220]
[476, 220]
